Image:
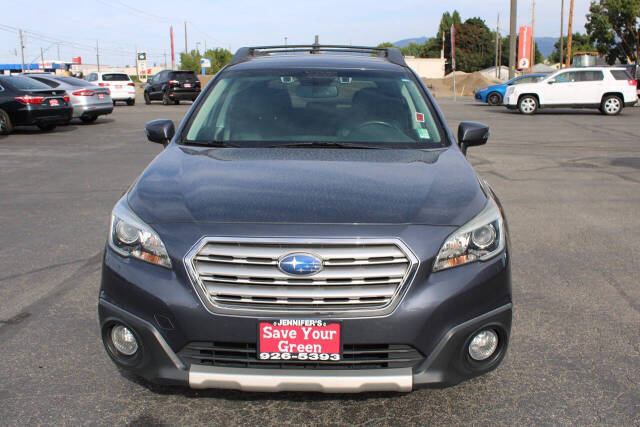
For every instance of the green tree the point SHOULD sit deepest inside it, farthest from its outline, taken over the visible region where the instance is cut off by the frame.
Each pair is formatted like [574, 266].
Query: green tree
[613, 27]
[190, 61]
[412, 49]
[219, 58]
[579, 43]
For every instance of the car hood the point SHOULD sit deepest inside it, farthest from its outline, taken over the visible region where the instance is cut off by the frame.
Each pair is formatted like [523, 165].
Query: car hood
[307, 185]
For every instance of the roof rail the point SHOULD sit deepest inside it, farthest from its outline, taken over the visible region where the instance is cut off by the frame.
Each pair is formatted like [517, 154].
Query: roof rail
[392, 54]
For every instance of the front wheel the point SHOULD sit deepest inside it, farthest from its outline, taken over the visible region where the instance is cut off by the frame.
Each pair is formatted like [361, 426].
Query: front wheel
[46, 127]
[147, 99]
[5, 123]
[528, 104]
[114, 103]
[611, 105]
[177, 101]
[494, 98]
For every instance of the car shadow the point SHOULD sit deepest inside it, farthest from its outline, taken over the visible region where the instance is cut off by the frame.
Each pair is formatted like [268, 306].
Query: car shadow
[33, 130]
[99, 121]
[556, 112]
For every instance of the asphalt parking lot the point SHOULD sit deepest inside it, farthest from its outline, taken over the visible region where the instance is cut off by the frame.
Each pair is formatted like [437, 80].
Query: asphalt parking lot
[570, 184]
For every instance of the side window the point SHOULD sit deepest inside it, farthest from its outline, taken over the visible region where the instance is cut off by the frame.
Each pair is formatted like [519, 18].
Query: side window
[523, 80]
[93, 77]
[588, 76]
[537, 78]
[568, 77]
[621, 75]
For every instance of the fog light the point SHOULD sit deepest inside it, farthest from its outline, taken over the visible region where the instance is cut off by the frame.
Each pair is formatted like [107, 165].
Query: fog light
[483, 345]
[123, 340]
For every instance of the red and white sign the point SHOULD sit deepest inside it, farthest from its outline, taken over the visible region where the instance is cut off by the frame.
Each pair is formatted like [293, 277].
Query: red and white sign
[419, 117]
[297, 337]
[524, 48]
[76, 60]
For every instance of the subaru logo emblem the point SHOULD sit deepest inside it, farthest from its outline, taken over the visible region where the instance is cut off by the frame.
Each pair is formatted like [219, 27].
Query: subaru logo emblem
[300, 264]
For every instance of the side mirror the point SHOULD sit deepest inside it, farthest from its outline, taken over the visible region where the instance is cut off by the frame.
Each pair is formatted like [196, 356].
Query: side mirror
[160, 131]
[471, 134]
[550, 82]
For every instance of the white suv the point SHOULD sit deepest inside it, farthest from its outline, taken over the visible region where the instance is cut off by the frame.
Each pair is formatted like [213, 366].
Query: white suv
[120, 84]
[609, 89]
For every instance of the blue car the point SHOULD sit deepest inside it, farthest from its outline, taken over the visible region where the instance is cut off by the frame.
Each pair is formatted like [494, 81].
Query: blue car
[493, 95]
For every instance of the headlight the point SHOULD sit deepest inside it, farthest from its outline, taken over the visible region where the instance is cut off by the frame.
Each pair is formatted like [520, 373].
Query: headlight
[510, 90]
[479, 239]
[130, 236]
[482, 89]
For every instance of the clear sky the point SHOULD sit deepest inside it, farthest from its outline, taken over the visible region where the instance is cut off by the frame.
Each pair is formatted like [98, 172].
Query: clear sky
[121, 25]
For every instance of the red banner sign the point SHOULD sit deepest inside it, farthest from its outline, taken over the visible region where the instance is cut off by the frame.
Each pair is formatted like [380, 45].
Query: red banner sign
[76, 60]
[524, 48]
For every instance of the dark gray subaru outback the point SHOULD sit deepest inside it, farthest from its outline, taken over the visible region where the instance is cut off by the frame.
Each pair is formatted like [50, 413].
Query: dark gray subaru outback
[311, 225]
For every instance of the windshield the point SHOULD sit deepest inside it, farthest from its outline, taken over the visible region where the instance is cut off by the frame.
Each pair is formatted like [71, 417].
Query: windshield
[298, 106]
[182, 75]
[26, 83]
[72, 81]
[115, 77]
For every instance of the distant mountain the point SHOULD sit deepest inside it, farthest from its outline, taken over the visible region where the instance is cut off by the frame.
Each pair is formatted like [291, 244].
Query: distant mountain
[545, 45]
[405, 42]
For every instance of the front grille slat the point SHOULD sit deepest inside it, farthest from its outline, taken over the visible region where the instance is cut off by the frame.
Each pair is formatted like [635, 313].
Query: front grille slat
[361, 356]
[359, 275]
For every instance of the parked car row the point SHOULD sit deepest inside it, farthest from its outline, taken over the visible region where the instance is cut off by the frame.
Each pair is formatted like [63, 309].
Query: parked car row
[608, 89]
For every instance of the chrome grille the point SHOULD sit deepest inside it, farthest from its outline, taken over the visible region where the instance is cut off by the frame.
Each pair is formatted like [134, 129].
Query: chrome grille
[357, 275]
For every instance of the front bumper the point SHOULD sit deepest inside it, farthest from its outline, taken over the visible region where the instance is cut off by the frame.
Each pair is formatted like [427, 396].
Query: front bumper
[443, 367]
[436, 315]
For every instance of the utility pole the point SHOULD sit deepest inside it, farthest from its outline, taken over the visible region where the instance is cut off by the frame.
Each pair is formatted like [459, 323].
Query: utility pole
[137, 68]
[165, 59]
[173, 54]
[512, 38]
[570, 35]
[185, 38]
[533, 40]
[497, 42]
[42, 56]
[22, 48]
[98, 54]
[561, 33]
[205, 48]
[58, 51]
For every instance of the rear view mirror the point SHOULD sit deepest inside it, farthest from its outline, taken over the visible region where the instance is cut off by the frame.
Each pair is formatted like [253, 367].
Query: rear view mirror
[160, 131]
[471, 134]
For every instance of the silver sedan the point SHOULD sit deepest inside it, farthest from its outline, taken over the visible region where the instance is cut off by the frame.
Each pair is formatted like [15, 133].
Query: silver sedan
[88, 100]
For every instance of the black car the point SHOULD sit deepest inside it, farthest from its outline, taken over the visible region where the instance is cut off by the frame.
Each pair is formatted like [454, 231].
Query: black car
[312, 225]
[172, 86]
[26, 102]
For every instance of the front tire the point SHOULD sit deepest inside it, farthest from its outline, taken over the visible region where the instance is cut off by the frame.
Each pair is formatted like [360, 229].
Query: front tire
[494, 98]
[114, 103]
[46, 127]
[528, 104]
[147, 99]
[611, 105]
[177, 101]
[5, 123]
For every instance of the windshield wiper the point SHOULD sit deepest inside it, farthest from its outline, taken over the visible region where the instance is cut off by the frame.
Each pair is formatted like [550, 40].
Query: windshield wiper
[210, 143]
[325, 144]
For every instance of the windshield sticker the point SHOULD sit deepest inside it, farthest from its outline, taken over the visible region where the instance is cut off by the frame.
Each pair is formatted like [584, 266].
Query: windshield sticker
[420, 117]
[423, 133]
